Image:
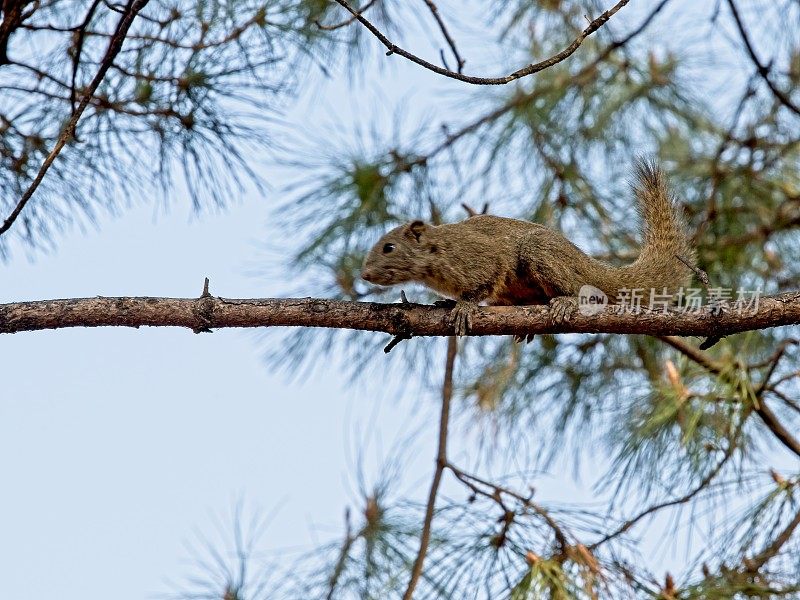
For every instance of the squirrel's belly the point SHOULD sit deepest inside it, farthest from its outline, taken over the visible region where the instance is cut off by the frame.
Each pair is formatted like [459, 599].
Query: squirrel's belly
[518, 292]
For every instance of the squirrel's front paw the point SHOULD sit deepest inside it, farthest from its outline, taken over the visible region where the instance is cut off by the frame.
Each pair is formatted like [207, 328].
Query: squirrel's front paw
[562, 309]
[461, 316]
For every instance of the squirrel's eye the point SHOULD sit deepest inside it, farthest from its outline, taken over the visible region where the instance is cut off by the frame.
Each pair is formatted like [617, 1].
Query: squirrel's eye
[388, 248]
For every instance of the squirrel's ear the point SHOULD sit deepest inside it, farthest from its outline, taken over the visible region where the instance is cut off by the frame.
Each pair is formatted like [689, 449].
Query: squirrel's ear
[415, 229]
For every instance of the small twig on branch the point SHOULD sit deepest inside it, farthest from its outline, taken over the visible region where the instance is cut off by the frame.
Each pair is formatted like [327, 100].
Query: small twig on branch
[114, 46]
[205, 310]
[448, 38]
[400, 337]
[701, 275]
[472, 212]
[441, 463]
[404, 334]
[717, 308]
[473, 483]
[530, 69]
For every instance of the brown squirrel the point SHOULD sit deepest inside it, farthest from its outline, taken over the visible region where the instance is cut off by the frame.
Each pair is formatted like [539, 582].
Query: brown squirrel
[503, 261]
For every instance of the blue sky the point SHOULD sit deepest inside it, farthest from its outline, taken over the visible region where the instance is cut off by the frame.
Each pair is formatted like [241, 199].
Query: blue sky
[117, 446]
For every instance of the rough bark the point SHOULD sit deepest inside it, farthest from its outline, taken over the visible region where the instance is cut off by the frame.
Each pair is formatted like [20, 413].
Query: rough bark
[209, 312]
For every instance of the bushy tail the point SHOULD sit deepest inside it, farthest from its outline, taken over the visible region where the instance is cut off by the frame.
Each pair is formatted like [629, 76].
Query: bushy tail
[665, 237]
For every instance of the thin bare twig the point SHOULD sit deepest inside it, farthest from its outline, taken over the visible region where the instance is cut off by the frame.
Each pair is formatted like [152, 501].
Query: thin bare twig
[716, 175]
[77, 50]
[698, 356]
[763, 70]
[644, 25]
[773, 361]
[448, 38]
[784, 398]
[346, 22]
[349, 538]
[523, 72]
[114, 46]
[441, 463]
[471, 480]
[675, 501]
[13, 14]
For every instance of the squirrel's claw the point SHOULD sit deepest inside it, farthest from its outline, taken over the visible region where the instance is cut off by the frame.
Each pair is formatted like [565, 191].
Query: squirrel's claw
[461, 317]
[526, 338]
[562, 309]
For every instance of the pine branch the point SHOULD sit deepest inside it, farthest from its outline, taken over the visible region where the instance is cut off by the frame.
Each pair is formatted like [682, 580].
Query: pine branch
[404, 320]
[67, 133]
[209, 312]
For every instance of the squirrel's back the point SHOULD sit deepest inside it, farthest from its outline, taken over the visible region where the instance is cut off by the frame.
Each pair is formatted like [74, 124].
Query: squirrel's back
[508, 261]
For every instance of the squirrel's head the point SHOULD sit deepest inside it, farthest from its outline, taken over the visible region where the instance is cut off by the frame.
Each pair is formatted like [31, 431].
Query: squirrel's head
[396, 257]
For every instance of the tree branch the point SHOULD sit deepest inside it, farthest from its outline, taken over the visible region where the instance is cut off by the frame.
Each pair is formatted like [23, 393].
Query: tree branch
[474, 483]
[704, 483]
[441, 463]
[210, 312]
[523, 72]
[771, 420]
[752, 565]
[693, 353]
[114, 46]
[521, 98]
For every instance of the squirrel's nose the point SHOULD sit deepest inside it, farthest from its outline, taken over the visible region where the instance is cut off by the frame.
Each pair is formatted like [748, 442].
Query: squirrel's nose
[367, 275]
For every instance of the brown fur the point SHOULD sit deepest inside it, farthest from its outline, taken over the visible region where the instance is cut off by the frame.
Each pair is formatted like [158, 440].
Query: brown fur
[504, 261]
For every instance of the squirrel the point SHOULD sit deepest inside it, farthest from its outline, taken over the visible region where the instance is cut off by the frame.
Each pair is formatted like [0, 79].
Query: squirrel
[503, 261]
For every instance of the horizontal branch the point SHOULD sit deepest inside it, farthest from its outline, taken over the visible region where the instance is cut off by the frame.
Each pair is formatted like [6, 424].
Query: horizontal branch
[209, 312]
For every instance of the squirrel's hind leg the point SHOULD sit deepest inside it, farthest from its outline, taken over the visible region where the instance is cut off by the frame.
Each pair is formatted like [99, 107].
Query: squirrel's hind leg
[562, 309]
[461, 316]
